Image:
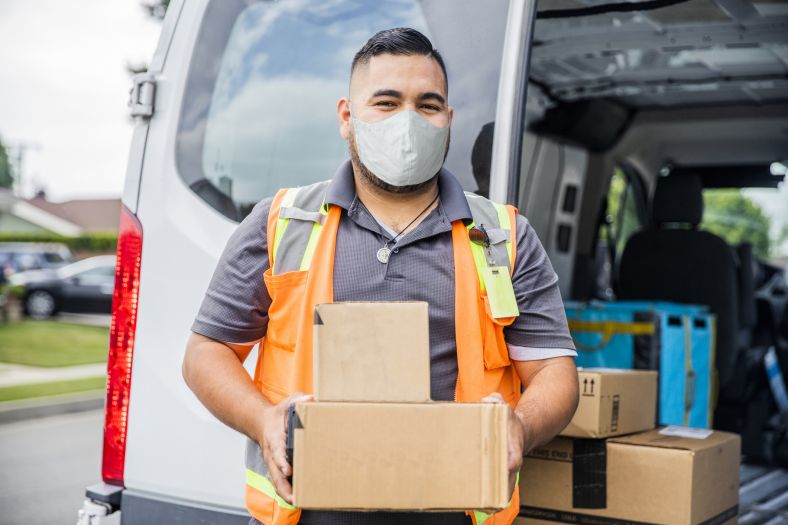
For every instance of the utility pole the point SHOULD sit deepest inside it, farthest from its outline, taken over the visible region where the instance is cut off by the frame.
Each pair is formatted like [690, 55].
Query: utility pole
[17, 152]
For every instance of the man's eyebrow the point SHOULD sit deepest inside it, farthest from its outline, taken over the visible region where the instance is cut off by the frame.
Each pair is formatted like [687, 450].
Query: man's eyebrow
[432, 96]
[387, 93]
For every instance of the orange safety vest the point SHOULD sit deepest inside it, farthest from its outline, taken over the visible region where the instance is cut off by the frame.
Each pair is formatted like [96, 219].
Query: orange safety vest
[302, 234]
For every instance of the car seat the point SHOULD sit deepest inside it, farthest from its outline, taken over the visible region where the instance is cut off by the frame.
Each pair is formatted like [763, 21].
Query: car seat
[672, 260]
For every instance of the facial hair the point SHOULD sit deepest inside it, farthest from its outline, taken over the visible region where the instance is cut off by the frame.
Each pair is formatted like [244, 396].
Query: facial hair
[380, 184]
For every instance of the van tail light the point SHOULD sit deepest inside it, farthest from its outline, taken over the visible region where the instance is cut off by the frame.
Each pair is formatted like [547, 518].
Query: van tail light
[121, 345]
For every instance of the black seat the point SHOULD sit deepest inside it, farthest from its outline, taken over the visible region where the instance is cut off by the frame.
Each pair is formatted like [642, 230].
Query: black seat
[673, 261]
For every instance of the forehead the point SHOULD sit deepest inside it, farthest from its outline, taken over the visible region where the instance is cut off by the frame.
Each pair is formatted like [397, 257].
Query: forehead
[408, 74]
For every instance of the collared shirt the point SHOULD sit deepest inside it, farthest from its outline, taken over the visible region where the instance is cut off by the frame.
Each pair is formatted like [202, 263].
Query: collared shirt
[420, 268]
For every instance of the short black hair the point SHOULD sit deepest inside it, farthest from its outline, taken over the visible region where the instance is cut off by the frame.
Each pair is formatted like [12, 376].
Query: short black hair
[398, 41]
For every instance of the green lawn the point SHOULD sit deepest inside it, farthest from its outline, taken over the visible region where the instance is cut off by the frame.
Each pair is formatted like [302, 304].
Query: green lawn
[11, 393]
[52, 344]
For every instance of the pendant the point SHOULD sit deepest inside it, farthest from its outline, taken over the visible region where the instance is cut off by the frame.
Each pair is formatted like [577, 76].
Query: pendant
[384, 254]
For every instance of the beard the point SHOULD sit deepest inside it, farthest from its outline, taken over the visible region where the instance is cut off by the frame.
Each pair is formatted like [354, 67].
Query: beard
[377, 182]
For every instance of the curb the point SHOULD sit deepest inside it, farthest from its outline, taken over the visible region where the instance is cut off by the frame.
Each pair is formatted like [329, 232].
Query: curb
[11, 411]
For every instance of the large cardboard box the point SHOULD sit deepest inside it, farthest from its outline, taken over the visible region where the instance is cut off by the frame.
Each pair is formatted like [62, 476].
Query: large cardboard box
[614, 402]
[372, 352]
[424, 456]
[660, 476]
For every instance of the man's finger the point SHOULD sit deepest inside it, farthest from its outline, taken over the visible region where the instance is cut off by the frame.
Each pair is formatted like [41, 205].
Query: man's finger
[280, 482]
[279, 457]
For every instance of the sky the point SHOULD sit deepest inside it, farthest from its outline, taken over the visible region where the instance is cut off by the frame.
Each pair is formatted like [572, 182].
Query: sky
[64, 89]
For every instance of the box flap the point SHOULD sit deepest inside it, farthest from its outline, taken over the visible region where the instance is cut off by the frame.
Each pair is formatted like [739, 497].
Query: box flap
[653, 438]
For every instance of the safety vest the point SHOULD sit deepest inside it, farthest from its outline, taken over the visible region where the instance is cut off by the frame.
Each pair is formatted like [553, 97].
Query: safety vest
[302, 233]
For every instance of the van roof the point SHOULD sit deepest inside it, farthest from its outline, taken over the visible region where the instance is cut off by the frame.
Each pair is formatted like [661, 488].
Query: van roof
[698, 52]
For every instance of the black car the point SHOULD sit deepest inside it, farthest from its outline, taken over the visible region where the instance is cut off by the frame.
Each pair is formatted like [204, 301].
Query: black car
[85, 286]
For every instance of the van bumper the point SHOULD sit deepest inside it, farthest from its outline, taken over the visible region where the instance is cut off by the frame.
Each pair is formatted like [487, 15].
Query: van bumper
[109, 505]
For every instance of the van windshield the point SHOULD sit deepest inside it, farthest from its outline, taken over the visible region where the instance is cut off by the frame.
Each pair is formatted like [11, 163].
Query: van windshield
[259, 110]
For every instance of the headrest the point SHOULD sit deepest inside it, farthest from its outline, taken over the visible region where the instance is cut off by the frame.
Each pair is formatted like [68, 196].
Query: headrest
[678, 199]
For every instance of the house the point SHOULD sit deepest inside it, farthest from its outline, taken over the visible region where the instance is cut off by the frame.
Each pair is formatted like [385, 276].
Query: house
[73, 217]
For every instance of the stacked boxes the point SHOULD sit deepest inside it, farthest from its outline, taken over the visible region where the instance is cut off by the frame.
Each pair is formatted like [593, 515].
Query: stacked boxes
[373, 439]
[672, 475]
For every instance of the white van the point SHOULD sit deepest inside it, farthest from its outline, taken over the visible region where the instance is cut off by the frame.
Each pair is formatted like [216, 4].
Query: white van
[239, 101]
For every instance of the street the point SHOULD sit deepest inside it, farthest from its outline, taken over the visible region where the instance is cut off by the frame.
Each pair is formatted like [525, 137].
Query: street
[45, 465]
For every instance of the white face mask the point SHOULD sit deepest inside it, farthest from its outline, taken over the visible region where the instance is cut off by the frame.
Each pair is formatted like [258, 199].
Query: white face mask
[403, 149]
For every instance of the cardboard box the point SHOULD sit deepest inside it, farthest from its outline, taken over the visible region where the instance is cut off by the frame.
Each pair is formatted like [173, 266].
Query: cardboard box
[372, 352]
[398, 456]
[614, 402]
[659, 476]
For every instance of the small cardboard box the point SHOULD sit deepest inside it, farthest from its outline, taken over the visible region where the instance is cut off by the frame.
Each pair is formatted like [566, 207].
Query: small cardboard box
[398, 456]
[372, 352]
[660, 476]
[614, 402]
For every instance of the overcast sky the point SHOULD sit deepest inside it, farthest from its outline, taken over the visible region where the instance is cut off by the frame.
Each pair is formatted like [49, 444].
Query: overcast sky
[64, 87]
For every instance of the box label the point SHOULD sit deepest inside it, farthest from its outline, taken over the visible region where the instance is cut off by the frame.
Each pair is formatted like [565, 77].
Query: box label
[686, 432]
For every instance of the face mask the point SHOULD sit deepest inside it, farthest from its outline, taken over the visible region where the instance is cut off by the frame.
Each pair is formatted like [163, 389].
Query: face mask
[402, 150]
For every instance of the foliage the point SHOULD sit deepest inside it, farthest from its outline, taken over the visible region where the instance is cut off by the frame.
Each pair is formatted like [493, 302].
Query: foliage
[91, 242]
[12, 393]
[52, 343]
[6, 173]
[736, 218]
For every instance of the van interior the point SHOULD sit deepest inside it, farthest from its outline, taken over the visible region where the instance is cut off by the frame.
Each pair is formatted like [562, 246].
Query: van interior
[653, 168]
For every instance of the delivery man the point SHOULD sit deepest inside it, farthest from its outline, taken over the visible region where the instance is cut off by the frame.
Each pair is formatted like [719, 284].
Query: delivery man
[391, 225]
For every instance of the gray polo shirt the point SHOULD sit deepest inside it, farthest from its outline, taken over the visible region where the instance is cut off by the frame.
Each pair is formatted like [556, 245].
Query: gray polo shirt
[420, 269]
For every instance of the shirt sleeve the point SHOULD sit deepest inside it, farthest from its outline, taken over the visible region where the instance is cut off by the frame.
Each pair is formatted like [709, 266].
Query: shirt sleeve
[540, 331]
[235, 306]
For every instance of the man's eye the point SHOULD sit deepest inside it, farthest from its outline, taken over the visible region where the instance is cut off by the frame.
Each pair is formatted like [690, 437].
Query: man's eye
[430, 107]
[385, 104]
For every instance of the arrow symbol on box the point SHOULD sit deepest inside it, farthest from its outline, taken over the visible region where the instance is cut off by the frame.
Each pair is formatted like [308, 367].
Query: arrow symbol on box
[585, 385]
[592, 386]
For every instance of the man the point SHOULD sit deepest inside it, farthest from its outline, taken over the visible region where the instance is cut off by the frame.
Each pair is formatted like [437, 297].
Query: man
[391, 225]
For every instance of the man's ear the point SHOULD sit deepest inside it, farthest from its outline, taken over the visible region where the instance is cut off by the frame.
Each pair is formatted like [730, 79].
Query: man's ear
[451, 115]
[343, 116]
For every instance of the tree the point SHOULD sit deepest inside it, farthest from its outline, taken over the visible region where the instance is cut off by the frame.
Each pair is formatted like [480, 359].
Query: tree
[6, 171]
[737, 219]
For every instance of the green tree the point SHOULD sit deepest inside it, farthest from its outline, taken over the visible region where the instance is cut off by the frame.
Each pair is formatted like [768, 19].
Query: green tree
[6, 171]
[736, 219]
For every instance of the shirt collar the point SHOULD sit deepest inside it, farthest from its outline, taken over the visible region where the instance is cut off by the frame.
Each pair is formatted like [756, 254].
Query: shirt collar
[342, 192]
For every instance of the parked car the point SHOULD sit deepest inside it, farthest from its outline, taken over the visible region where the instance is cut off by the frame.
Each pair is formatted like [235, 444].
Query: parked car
[85, 286]
[238, 101]
[23, 256]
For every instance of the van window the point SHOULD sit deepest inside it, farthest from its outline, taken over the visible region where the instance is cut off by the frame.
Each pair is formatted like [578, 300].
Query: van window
[626, 214]
[259, 109]
[751, 215]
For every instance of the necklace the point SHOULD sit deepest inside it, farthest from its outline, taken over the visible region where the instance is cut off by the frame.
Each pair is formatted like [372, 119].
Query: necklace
[384, 253]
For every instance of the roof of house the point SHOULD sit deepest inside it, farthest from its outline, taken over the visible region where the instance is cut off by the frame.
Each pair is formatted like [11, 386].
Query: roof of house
[89, 214]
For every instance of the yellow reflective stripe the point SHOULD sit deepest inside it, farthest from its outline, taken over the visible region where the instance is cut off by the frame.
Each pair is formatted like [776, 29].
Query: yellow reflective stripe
[306, 260]
[479, 258]
[504, 224]
[481, 517]
[264, 485]
[281, 224]
[608, 329]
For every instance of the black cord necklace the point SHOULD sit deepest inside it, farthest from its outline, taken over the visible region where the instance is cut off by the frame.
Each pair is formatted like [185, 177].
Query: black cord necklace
[384, 253]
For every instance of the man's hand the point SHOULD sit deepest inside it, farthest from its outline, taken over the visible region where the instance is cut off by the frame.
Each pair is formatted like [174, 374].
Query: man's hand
[517, 440]
[273, 442]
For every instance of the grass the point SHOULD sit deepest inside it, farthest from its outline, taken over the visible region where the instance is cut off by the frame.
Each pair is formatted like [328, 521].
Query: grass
[52, 344]
[12, 393]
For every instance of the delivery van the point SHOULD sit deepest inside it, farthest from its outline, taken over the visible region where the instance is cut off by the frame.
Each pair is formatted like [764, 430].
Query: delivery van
[571, 110]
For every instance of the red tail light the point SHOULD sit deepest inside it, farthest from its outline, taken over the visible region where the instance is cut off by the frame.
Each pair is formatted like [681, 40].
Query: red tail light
[121, 345]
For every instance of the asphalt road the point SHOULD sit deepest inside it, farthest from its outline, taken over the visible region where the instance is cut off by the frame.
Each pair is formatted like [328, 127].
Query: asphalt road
[45, 465]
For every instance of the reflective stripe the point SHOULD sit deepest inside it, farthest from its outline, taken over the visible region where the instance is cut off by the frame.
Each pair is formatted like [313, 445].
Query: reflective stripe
[309, 252]
[282, 223]
[479, 258]
[264, 485]
[505, 224]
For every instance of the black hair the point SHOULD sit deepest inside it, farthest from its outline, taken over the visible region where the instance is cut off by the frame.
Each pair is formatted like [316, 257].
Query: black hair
[398, 41]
